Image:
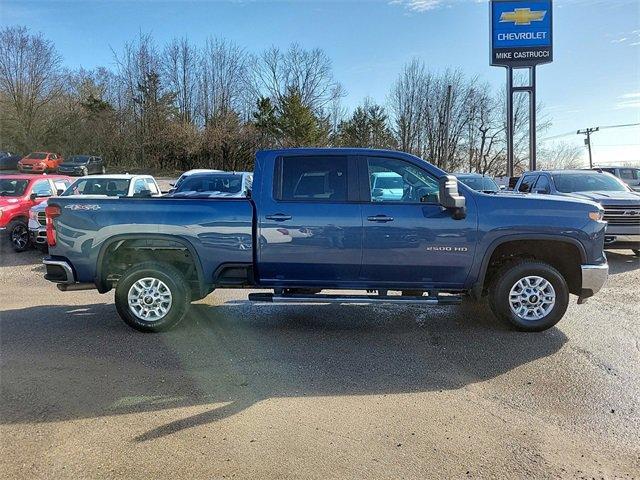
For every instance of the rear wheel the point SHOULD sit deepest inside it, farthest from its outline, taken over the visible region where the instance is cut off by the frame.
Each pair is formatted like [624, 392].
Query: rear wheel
[532, 296]
[19, 235]
[151, 297]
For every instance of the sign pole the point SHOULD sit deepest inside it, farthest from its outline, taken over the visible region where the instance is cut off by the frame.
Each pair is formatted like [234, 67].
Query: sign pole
[532, 118]
[509, 122]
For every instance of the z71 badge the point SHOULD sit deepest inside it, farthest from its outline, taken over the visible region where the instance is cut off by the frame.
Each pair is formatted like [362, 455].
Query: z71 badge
[447, 249]
[83, 206]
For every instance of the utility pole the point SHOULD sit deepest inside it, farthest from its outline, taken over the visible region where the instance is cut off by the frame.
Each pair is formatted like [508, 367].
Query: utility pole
[587, 141]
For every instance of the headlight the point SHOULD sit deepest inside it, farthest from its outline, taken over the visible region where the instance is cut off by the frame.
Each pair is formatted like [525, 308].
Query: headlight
[596, 216]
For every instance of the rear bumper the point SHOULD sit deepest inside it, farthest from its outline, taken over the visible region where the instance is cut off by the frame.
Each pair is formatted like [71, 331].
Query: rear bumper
[593, 279]
[58, 270]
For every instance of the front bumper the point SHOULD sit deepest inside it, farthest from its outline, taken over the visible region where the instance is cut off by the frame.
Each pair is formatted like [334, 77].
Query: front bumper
[622, 240]
[593, 278]
[38, 235]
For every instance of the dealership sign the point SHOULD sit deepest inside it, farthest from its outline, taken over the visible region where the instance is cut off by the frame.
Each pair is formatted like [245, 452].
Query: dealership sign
[521, 33]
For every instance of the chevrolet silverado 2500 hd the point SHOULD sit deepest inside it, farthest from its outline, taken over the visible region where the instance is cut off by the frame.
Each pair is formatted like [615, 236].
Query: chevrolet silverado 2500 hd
[313, 222]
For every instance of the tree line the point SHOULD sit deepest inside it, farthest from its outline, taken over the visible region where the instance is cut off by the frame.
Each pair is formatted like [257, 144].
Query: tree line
[181, 105]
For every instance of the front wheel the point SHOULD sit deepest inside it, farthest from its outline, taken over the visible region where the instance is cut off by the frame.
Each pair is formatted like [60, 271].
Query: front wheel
[532, 296]
[151, 297]
[19, 235]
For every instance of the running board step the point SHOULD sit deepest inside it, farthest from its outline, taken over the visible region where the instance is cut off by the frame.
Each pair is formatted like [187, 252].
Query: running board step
[357, 299]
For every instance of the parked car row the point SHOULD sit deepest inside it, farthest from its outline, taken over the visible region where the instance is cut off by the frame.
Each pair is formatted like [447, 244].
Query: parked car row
[604, 186]
[49, 162]
[23, 198]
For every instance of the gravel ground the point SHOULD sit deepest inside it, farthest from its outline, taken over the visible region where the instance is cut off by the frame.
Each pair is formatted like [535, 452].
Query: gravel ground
[266, 391]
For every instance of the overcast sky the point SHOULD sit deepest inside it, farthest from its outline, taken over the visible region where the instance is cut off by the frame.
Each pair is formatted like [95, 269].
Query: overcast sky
[594, 80]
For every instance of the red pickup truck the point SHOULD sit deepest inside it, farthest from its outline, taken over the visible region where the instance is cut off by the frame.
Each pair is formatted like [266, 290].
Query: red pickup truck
[40, 162]
[18, 193]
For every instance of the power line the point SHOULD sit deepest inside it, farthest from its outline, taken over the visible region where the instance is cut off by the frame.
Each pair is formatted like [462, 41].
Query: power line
[566, 134]
[587, 141]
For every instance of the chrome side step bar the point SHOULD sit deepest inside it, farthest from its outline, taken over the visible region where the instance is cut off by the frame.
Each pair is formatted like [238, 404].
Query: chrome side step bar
[354, 299]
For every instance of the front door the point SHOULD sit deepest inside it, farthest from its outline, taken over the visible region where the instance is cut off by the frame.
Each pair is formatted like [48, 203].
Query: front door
[409, 239]
[310, 226]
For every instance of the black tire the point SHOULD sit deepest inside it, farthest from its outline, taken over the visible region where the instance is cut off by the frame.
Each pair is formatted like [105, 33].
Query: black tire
[19, 235]
[507, 278]
[172, 279]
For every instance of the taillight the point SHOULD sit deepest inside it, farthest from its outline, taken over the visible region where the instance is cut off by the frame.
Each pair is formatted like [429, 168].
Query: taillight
[51, 211]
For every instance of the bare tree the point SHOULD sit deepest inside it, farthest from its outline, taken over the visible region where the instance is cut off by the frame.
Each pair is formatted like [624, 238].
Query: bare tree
[222, 79]
[561, 155]
[29, 82]
[407, 103]
[180, 68]
[309, 72]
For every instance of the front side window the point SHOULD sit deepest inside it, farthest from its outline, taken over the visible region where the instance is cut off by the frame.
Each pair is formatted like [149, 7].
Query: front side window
[542, 185]
[527, 183]
[42, 188]
[313, 179]
[10, 187]
[392, 180]
[629, 173]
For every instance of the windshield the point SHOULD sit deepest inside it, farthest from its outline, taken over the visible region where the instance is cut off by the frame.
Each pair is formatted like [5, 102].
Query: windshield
[482, 184]
[37, 156]
[587, 182]
[79, 159]
[113, 187]
[211, 183]
[10, 187]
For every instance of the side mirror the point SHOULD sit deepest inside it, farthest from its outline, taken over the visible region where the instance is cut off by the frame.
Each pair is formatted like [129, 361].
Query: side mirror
[33, 196]
[450, 198]
[503, 187]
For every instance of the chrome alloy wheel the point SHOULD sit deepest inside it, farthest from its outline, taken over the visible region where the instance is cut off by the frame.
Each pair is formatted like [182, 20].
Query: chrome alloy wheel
[20, 236]
[149, 299]
[532, 298]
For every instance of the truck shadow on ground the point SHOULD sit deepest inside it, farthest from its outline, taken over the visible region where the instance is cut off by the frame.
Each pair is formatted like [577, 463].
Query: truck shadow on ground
[622, 261]
[70, 362]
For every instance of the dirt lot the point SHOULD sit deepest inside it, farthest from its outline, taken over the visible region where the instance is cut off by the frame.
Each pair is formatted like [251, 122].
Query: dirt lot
[266, 391]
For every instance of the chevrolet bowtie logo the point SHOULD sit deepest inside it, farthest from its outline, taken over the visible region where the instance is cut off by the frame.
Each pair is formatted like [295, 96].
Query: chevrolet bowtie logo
[523, 16]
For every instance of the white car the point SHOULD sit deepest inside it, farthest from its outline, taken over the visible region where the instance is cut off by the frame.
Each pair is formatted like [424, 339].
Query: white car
[387, 186]
[99, 186]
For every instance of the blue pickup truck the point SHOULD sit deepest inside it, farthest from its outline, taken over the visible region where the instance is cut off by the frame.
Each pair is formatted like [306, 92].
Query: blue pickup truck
[313, 222]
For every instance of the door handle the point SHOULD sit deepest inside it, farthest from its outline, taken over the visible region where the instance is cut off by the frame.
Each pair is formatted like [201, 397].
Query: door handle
[380, 218]
[278, 217]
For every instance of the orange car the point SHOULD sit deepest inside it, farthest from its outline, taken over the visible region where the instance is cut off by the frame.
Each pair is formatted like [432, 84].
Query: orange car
[39, 162]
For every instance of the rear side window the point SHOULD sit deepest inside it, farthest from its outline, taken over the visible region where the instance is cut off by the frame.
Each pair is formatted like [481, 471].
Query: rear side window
[320, 179]
[527, 183]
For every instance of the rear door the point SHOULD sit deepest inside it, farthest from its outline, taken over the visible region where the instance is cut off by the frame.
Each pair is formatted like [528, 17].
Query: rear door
[409, 239]
[310, 224]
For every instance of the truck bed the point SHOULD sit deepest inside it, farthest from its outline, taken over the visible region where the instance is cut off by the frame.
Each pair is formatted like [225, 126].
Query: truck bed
[220, 230]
